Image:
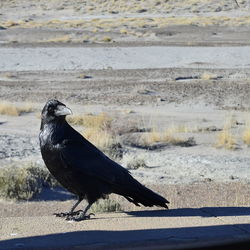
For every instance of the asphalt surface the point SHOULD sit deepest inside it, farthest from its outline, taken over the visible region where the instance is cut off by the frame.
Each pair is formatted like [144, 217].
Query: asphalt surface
[176, 228]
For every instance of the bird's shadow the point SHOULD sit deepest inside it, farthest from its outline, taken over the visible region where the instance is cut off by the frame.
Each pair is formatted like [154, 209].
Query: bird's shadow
[186, 212]
[54, 194]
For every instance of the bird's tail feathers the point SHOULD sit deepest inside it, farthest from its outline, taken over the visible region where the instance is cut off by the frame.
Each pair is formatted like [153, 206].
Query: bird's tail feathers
[137, 193]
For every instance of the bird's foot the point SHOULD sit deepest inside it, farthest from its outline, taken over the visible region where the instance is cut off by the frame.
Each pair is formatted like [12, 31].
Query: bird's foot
[67, 214]
[79, 216]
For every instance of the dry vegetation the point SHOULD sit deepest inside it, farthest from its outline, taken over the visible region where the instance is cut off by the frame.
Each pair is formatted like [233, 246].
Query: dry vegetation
[133, 6]
[97, 129]
[7, 108]
[100, 138]
[246, 135]
[100, 121]
[60, 39]
[118, 23]
[27, 181]
[24, 182]
[106, 39]
[105, 206]
[126, 25]
[167, 136]
[208, 76]
[136, 163]
[225, 137]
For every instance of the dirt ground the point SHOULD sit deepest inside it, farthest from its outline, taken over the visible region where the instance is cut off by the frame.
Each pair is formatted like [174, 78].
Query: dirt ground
[198, 102]
[118, 23]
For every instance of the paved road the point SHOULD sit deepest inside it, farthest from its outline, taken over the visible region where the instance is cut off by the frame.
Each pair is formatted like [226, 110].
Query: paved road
[175, 227]
[33, 59]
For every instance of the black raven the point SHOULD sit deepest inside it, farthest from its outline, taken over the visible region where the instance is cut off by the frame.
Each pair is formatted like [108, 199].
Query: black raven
[82, 168]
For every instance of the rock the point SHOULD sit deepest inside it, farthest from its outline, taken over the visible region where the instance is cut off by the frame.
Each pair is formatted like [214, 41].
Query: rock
[218, 9]
[159, 99]
[141, 10]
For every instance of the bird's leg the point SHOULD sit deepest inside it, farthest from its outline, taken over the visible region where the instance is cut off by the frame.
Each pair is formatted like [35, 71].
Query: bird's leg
[71, 212]
[75, 205]
[81, 215]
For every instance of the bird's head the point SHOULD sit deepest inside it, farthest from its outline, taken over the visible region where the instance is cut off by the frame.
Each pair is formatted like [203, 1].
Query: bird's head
[55, 110]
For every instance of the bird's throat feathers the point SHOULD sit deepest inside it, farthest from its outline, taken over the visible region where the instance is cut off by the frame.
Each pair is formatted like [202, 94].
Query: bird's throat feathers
[51, 132]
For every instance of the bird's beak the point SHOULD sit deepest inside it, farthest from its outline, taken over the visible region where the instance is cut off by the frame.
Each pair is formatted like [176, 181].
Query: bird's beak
[62, 110]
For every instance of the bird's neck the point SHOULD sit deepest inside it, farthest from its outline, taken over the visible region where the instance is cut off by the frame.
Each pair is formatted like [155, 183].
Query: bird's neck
[59, 122]
[52, 132]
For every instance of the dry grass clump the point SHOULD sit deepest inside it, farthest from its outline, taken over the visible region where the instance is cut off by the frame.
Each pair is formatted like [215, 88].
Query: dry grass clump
[123, 31]
[136, 163]
[24, 182]
[101, 121]
[106, 39]
[156, 138]
[226, 139]
[7, 108]
[60, 39]
[10, 23]
[208, 76]
[97, 130]
[105, 206]
[100, 138]
[83, 76]
[246, 135]
[9, 75]
[105, 141]
[166, 137]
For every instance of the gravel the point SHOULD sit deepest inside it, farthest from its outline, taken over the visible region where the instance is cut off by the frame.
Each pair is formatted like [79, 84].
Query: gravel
[18, 146]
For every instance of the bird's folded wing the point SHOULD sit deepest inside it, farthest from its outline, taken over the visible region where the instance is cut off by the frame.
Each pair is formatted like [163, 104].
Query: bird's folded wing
[88, 160]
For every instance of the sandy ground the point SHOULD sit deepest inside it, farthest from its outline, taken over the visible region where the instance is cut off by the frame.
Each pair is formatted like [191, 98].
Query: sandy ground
[59, 59]
[181, 66]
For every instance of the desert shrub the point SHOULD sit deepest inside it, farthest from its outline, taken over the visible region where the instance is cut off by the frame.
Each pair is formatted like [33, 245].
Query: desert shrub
[106, 205]
[136, 163]
[114, 150]
[24, 182]
[42, 174]
[17, 183]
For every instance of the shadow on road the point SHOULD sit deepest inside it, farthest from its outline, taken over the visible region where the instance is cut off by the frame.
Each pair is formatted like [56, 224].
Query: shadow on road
[100, 239]
[185, 212]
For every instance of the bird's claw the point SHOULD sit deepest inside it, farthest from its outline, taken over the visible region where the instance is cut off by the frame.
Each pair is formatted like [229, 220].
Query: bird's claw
[67, 214]
[79, 217]
[60, 214]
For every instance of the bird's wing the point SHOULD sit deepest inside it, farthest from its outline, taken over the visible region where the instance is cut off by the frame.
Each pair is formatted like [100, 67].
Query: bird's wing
[83, 157]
